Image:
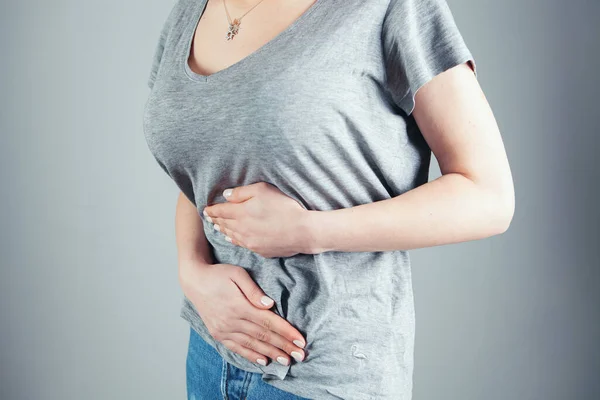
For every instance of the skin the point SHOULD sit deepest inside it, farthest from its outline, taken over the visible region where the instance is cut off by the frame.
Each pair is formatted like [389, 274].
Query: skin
[473, 199]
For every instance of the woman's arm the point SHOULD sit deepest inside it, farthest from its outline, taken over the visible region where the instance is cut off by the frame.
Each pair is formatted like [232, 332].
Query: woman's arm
[192, 246]
[473, 199]
[233, 307]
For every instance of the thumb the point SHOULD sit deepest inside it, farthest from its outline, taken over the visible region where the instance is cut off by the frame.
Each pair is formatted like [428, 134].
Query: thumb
[251, 290]
[240, 194]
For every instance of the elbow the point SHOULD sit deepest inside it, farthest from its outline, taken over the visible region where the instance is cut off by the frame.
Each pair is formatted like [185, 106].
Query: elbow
[496, 206]
[498, 203]
[505, 210]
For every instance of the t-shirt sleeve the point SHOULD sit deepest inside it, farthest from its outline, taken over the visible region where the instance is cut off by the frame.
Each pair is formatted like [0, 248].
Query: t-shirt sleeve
[420, 40]
[158, 52]
[171, 20]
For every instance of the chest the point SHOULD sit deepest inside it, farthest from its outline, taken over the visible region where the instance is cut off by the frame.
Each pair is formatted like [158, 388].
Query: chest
[225, 34]
[289, 84]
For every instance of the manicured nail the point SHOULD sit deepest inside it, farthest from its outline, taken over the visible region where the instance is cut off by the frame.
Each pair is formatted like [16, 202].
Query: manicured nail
[208, 218]
[227, 238]
[282, 360]
[261, 361]
[299, 343]
[227, 192]
[297, 355]
[217, 227]
[267, 301]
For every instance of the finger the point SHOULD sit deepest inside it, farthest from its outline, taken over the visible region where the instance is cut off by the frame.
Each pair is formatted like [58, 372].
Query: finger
[250, 289]
[260, 347]
[273, 339]
[273, 322]
[217, 224]
[242, 193]
[221, 224]
[221, 210]
[245, 352]
[229, 233]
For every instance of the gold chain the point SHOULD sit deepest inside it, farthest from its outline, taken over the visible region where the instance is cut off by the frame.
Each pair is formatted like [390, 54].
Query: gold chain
[234, 25]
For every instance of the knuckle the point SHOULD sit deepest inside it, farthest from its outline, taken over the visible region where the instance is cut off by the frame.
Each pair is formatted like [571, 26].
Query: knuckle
[249, 343]
[263, 335]
[266, 323]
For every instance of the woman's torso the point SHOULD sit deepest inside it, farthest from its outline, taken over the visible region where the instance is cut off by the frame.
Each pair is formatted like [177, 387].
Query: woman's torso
[309, 113]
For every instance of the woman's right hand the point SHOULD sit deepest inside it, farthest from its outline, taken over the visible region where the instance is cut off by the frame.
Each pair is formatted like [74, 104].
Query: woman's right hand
[229, 303]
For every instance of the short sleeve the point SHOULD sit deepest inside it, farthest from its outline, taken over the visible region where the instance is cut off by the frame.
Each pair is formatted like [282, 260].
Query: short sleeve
[420, 40]
[158, 52]
[177, 11]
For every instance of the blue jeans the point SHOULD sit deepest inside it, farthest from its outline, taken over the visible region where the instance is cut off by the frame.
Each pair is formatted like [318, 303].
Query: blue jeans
[209, 377]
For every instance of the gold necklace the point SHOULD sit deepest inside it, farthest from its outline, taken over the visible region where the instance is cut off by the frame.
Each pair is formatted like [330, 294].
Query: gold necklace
[234, 25]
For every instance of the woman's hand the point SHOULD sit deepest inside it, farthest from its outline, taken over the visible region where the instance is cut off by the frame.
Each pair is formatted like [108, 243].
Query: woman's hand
[229, 303]
[263, 219]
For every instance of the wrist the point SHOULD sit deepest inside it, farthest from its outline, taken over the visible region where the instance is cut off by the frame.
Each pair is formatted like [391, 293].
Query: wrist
[194, 257]
[313, 242]
[189, 266]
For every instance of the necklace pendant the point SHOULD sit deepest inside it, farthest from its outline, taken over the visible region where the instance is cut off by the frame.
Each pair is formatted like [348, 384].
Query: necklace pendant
[234, 28]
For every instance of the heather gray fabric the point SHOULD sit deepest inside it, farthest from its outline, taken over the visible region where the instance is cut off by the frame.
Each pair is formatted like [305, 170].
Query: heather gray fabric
[323, 112]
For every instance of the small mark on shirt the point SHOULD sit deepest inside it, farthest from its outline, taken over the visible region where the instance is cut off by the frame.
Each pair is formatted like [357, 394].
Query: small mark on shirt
[360, 356]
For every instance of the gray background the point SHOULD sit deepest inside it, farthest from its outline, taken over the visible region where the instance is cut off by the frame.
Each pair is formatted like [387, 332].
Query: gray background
[89, 297]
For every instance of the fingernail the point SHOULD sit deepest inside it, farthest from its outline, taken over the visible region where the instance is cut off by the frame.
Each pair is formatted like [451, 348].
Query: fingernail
[299, 343]
[208, 218]
[267, 301]
[261, 361]
[282, 360]
[297, 355]
[217, 227]
[227, 193]
[227, 238]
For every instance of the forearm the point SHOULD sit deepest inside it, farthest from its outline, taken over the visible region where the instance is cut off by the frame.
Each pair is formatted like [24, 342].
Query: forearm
[447, 210]
[192, 246]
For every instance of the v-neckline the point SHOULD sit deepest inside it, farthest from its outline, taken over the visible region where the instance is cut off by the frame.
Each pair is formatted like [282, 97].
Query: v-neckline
[254, 56]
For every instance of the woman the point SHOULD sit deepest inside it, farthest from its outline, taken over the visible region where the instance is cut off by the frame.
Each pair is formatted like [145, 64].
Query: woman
[300, 134]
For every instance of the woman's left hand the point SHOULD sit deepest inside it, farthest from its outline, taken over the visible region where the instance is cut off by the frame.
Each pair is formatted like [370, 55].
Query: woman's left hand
[263, 219]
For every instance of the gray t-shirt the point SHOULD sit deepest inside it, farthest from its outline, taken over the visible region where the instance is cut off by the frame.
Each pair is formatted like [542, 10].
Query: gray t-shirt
[323, 112]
